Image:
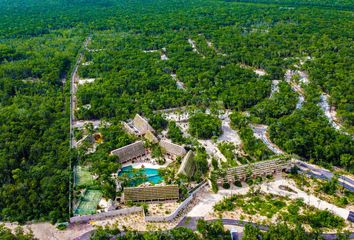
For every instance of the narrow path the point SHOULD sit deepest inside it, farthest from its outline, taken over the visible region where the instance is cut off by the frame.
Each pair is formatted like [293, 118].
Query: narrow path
[328, 111]
[331, 115]
[193, 45]
[275, 87]
[295, 86]
[96, 123]
[179, 84]
[260, 132]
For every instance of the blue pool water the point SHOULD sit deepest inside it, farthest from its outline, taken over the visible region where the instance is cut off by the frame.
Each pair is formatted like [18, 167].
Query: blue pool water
[151, 174]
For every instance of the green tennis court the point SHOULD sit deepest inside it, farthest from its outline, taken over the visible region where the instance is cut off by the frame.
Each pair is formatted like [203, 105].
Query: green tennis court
[88, 203]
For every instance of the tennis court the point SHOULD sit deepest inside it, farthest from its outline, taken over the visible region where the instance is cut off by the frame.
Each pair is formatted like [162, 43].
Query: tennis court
[88, 203]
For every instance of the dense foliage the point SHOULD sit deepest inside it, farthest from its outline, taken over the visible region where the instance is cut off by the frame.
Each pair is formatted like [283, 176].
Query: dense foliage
[308, 134]
[175, 134]
[204, 126]
[34, 144]
[281, 103]
[279, 231]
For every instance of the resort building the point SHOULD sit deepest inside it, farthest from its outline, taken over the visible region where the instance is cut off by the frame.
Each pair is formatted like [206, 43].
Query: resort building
[139, 126]
[142, 124]
[151, 193]
[130, 152]
[188, 165]
[172, 149]
[262, 168]
[129, 128]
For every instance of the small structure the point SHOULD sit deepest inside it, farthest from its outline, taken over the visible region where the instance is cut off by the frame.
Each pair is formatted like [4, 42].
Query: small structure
[139, 126]
[151, 193]
[172, 149]
[188, 165]
[129, 128]
[130, 152]
[262, 168]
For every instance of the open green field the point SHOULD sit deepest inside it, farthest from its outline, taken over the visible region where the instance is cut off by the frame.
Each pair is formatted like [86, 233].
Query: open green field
[83, 177]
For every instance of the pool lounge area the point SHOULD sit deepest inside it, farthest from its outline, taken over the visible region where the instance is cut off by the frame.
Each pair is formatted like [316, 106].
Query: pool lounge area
[152, 175]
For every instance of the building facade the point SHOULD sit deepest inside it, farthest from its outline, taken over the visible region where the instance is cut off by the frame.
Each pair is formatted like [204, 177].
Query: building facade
[151, 193]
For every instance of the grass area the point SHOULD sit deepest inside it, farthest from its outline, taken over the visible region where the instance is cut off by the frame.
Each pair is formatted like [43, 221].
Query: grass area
[88, 202]
[83, 177]
[329, 191]
[277, 208]
[265, 205]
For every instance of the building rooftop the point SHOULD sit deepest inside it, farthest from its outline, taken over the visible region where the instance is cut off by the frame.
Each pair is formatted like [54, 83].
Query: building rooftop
[151, 193]
[172, 148]
[130, 151]
[142, 124]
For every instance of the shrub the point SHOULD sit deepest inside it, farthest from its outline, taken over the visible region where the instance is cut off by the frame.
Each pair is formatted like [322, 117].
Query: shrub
[214, 186]
[249, 181]
[215, 164]
[161, 161]
[238, 183]
[226, 185]
[324, 219]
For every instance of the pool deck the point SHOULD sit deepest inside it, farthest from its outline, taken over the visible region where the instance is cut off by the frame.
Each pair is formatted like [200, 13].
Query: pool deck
[147, 164]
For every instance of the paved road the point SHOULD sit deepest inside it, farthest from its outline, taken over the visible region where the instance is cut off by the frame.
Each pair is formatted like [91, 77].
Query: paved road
[86, 236]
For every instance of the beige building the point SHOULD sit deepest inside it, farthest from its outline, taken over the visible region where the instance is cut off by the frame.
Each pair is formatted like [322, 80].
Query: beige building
[151, 193]
[142, 125]
[130, 152]
[262, 168]
[172, 149]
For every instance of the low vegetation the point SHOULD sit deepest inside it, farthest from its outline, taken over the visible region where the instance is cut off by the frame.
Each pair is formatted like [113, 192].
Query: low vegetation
[293, 212]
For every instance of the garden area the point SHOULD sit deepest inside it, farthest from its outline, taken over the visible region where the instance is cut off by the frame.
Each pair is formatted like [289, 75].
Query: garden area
[270, 209]
[329, 191]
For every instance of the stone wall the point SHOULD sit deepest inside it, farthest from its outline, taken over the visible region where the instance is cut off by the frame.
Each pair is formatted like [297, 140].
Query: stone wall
[103, 215]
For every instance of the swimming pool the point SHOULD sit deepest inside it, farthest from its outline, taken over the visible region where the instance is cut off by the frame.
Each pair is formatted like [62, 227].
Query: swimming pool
[151, 174]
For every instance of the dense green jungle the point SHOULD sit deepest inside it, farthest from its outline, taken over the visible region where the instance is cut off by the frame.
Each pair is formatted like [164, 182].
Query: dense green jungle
[40, 42]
